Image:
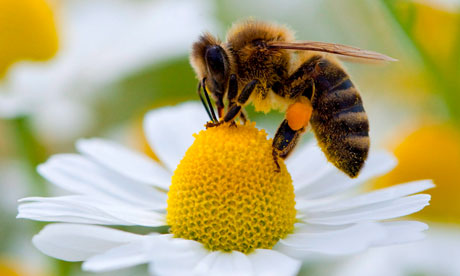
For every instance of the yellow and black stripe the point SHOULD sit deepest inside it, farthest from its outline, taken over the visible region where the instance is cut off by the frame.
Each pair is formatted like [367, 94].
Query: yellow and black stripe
[338, 120]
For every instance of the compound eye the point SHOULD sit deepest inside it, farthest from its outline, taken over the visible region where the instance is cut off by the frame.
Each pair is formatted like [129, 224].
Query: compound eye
[217, 63]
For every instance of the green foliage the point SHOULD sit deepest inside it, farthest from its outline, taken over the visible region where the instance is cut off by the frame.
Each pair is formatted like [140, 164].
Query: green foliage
[441, 61]
[170, 82]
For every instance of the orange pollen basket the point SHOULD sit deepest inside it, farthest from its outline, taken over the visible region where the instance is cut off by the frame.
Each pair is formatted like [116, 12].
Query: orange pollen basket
[298, 114]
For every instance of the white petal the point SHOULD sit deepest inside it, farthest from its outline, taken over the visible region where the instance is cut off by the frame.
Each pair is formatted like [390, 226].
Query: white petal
[307, 165]
[349, 240]
[396, 231]
[302, 204]
[304, 227]
[74, 242]
[47, 211]
[266, 262]
[131, 164]
[438, 254]
[126, 255]
[78, 174]
[381, 195]
[83, 209]
[378, 163]
[376, 211]
[220, 263]
[170, 130]
[174, 256]
[403, 231]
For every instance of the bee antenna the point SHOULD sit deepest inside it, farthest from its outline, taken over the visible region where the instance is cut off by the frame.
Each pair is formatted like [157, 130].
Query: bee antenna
[202, 101]
[211, 109]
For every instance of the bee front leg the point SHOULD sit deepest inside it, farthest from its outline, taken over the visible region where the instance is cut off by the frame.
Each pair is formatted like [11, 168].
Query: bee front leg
[235, 109]
[220, 106]
[231, 96]
[220, 110]
[243, 116]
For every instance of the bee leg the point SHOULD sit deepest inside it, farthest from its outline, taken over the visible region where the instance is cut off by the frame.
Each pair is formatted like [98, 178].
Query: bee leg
[232, 112]
[285, 140]
[235, 109]
[231, 96]
[232, 90]
[243, 116]
[220, 107]
[275, 159]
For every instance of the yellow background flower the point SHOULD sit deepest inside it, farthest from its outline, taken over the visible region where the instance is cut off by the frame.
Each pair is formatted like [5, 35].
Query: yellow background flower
[431, 152]
[27, 32]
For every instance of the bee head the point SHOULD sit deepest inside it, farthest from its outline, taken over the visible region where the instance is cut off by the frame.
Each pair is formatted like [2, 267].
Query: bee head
[212, 61]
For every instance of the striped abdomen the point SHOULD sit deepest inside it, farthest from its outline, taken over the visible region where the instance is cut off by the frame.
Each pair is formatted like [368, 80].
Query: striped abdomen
[339, 121]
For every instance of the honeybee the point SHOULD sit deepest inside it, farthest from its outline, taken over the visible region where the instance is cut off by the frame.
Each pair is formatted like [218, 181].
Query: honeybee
[261, 63]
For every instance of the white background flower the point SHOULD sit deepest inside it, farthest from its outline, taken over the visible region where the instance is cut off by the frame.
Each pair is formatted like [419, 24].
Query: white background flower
[438, 254]
[100, 41]
[111, 185]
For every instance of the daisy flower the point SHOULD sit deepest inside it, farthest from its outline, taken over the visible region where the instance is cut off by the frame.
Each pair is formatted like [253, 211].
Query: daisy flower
[439, 253]
[95, 43]
[228, 211]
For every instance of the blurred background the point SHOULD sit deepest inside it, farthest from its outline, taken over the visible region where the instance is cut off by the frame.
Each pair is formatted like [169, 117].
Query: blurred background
[82, 68]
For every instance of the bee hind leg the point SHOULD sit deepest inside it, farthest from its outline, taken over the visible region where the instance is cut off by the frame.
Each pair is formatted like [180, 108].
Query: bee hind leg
[275, 159]
[285, 141]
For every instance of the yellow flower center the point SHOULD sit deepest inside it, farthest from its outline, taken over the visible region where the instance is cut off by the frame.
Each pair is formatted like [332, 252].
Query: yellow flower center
[431, 152]
[226, 192]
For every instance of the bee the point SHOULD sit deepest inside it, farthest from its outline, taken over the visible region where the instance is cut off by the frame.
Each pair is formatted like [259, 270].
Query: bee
[262, 64]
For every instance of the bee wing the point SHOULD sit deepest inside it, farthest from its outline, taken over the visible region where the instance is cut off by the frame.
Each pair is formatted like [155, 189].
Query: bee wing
[333, 48]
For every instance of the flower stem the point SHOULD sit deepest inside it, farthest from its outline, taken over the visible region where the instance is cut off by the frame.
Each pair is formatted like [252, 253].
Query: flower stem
[30, 152]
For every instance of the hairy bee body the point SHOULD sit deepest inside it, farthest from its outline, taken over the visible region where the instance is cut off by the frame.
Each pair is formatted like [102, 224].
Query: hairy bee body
[338, 115]
[256, 65]
[254, 60]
